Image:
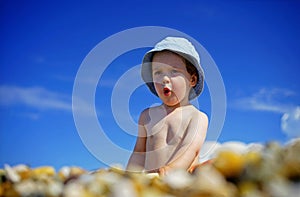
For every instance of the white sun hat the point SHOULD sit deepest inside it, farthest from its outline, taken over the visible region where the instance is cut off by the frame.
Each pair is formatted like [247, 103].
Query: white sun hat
[182, 47]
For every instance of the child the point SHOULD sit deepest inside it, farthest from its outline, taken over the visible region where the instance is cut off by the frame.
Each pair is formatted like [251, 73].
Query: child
[170, 135]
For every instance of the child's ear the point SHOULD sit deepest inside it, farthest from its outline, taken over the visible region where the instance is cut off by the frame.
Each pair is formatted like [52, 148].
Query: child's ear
[193, 80]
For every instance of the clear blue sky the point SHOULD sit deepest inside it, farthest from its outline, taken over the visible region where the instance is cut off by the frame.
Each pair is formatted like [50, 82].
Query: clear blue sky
[255, 45]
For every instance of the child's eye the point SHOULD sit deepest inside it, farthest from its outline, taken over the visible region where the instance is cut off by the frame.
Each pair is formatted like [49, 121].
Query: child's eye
[157, 73]
[174, 71]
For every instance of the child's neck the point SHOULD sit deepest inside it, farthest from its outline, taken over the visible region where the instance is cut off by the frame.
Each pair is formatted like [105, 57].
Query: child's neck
[170, 109]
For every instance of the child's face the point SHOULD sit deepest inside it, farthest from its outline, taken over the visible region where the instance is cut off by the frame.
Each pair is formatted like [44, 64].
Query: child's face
[171, 80]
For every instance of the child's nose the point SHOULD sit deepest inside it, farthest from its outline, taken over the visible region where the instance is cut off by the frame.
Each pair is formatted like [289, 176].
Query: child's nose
[166, 79]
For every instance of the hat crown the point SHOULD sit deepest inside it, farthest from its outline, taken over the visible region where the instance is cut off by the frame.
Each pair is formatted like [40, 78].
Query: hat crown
[178, 44]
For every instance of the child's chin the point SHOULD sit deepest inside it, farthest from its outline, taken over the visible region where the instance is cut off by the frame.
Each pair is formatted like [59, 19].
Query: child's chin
[171, 103]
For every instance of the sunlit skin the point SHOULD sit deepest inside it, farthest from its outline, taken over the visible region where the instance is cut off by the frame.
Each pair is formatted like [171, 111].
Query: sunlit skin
[170, 135]
[171, 80]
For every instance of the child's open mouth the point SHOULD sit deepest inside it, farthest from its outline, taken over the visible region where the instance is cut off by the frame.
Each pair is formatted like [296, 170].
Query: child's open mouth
[167, 91]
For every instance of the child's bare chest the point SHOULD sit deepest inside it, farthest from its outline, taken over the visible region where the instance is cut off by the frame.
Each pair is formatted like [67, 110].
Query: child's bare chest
[167, 131]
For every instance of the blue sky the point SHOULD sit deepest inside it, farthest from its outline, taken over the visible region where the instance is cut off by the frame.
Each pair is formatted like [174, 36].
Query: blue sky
[255, 45]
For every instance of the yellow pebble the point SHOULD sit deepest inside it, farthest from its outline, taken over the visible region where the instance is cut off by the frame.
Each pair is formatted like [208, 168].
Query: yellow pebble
[23, 171]
[252, 157]
[247, 188]
[67, 172]
[1, 190]
[43, 170]
[229, 163]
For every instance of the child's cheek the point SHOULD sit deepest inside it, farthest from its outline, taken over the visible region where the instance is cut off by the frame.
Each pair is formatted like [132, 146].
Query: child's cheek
[157, 87]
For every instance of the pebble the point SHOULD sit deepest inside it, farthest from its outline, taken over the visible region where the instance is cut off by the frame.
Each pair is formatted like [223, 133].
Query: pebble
[252, 170]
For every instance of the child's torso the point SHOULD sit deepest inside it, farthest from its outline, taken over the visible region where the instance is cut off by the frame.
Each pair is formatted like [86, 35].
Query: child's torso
[165, 134]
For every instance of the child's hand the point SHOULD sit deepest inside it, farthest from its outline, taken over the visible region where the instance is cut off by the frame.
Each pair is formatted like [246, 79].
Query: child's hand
[164, 170]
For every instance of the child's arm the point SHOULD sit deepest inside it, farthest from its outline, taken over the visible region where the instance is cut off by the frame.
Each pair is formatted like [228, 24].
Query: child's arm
[190, 146]
[137, 158]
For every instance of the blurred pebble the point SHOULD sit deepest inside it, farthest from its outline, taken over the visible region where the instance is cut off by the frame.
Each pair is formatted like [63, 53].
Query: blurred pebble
[235, 169]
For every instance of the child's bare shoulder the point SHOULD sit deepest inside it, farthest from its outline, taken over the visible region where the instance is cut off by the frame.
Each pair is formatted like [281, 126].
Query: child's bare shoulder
[197, 114]
[147, 113]
[150, 110]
